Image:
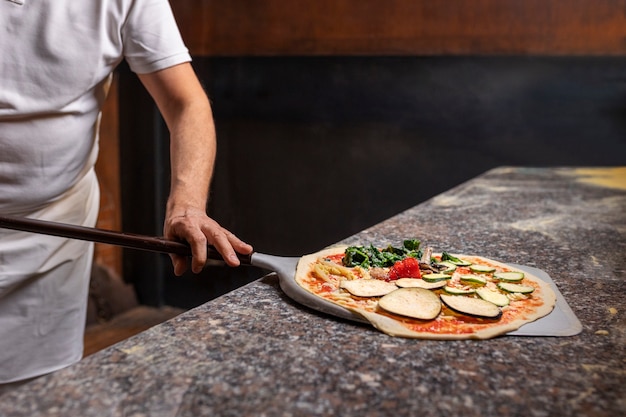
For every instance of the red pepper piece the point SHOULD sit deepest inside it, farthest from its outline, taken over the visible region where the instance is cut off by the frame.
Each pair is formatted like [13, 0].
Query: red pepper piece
[406, 268]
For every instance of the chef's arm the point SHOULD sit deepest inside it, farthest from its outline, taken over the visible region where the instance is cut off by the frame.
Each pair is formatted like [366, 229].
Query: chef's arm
[187, 113]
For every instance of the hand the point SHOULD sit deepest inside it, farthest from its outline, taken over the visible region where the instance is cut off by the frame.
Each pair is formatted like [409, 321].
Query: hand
[199, 230]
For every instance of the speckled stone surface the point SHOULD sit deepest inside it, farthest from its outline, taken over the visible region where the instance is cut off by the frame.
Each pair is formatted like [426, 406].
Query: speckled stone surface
[255, 352]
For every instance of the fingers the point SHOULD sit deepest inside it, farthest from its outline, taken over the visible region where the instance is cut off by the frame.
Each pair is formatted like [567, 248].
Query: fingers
[198, 243]
[227, 244]
[180, 264]
[200, 231]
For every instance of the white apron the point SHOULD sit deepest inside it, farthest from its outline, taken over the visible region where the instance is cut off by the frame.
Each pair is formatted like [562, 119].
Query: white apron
[55, 62]
[42, 313]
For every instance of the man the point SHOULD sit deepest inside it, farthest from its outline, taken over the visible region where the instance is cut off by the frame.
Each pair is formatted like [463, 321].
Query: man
[56, 59]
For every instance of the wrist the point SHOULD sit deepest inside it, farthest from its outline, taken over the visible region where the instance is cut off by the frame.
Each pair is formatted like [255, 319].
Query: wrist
[178, 207]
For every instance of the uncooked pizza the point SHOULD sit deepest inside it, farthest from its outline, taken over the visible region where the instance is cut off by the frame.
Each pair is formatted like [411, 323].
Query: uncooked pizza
[412, 292]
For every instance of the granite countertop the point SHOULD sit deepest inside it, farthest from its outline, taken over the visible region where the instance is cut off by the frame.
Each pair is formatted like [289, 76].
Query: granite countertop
[255, 352]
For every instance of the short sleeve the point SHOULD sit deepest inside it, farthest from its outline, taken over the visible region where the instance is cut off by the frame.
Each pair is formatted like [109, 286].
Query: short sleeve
[151, 39]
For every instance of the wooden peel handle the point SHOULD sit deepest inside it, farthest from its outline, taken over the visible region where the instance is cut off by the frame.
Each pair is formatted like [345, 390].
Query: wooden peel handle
[127, 240]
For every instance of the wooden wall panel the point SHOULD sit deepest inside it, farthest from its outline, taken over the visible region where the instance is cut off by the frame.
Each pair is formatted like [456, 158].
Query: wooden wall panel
[108, 170]
[402, 27]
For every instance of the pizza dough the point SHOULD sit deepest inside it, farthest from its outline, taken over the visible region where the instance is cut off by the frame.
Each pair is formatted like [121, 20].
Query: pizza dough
[478, 298]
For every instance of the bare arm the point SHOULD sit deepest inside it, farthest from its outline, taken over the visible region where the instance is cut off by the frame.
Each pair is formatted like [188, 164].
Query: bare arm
[187, 113]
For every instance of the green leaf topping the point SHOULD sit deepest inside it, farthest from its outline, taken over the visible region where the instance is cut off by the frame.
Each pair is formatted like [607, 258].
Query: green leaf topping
[445, 256]
[369, 256]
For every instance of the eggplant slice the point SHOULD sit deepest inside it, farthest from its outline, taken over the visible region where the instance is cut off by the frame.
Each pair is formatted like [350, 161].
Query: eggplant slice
[417, 303]
[472, 306]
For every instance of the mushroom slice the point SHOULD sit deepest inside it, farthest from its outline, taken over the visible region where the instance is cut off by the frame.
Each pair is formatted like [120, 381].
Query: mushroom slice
[419, 283]
[427, 255]
[368, 287]
[417, 303]
[427, 268]
[472, 306]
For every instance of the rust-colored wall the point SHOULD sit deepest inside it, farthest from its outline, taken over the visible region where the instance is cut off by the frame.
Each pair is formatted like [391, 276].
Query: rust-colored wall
[403, 27]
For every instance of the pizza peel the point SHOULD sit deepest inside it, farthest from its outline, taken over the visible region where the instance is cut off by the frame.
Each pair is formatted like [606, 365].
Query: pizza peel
[284, 267]
[560, 322]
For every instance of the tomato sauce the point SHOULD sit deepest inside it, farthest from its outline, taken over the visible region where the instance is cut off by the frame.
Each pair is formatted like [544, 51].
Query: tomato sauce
[448, 321]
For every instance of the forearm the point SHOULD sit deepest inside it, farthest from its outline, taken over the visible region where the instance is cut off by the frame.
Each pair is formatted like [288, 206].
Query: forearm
[192, 153]
[187, 113]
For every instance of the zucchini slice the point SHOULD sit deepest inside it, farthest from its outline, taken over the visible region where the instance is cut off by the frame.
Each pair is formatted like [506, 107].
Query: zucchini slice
[481, 269]
[492, 296]
[473, 279]
[512, 276]
[417, 303]
[419, 283]
[472, 306]
[368, 287]
[435, 277]
[458, 291]
[517, 288]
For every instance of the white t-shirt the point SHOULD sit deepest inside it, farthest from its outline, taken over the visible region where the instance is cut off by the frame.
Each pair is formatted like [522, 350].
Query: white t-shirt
[55, 60]
[56, 57]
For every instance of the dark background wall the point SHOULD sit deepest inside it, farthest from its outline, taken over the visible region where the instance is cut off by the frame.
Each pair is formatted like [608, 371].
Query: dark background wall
[313, 149]
[333, 115]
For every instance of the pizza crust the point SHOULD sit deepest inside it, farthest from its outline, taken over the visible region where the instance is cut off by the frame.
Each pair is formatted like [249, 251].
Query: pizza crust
[398, 326]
